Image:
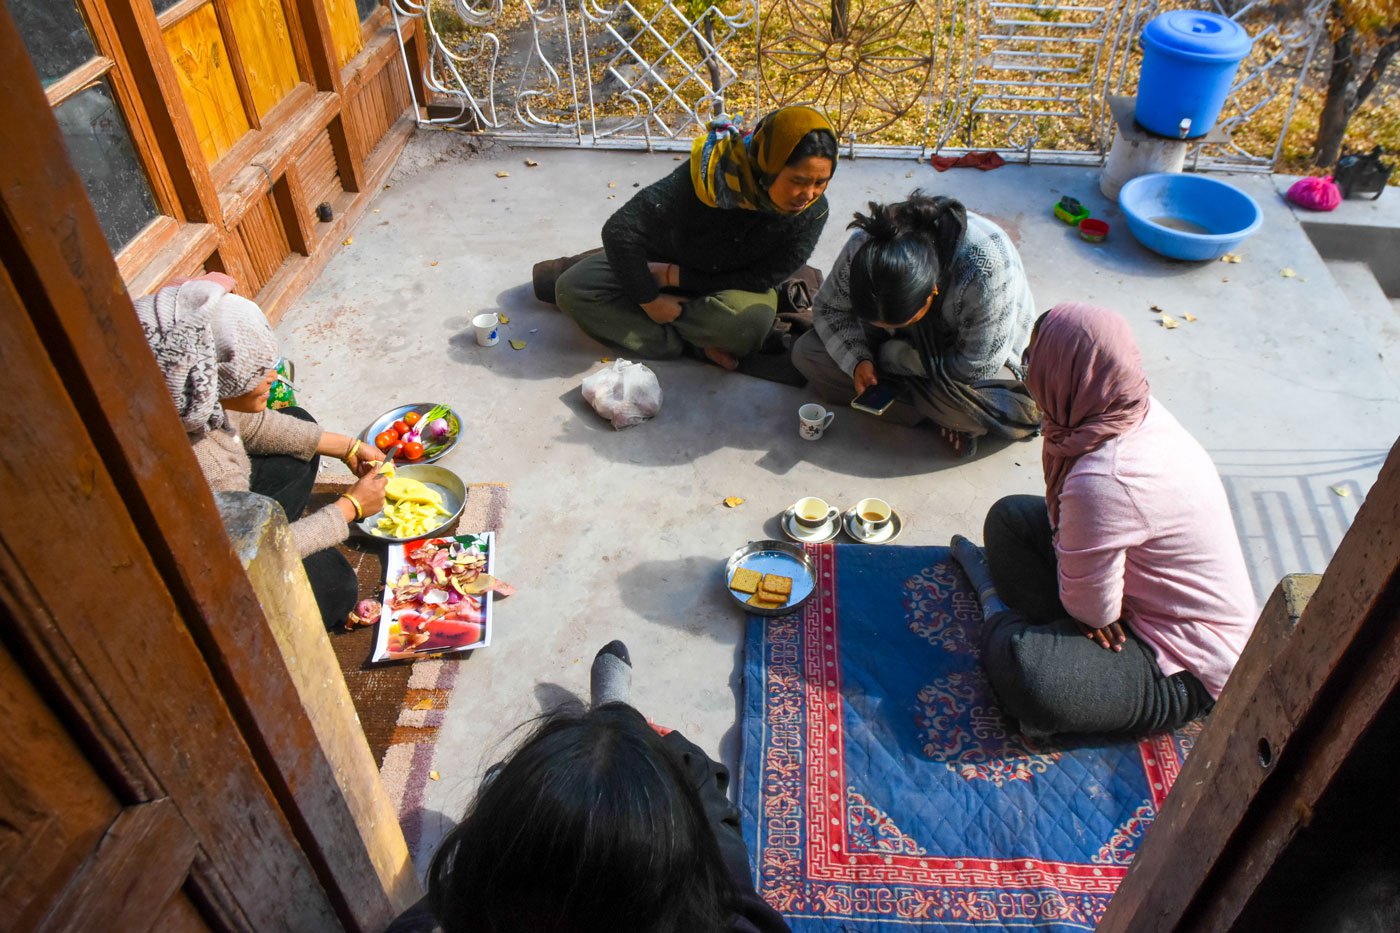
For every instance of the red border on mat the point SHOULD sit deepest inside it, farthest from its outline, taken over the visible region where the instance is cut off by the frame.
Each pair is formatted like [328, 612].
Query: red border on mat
[829, 859]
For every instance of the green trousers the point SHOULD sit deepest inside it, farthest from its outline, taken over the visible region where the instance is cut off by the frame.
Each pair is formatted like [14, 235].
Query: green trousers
[732, 320]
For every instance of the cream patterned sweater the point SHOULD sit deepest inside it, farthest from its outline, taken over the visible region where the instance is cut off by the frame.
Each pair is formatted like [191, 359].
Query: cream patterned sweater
[223, 456]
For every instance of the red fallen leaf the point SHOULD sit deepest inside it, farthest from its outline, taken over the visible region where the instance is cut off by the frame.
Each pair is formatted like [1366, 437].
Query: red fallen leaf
[502, 589]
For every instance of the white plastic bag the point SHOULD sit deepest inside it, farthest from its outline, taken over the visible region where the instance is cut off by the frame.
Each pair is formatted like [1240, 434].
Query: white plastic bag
[624, 393]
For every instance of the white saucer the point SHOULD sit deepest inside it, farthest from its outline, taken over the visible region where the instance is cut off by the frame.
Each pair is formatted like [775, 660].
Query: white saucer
[883, 536]
[797, 533]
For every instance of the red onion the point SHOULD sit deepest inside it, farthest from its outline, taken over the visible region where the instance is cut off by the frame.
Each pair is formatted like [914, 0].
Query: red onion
[439, 429]
[366, 612]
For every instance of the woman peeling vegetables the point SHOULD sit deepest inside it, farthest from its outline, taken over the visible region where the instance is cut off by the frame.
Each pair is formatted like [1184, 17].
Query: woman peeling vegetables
[691, 262]
[217, 353]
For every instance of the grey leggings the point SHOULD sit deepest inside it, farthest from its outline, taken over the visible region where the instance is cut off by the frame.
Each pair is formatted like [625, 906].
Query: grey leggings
[1046, 674]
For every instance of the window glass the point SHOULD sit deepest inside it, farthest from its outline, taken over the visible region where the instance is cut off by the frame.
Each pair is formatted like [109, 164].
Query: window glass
[162, 5]
[366, 7]
[99, 144]
[55, 34]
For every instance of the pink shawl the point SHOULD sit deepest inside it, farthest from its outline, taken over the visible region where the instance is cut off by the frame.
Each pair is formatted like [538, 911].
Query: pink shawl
[1086, 374]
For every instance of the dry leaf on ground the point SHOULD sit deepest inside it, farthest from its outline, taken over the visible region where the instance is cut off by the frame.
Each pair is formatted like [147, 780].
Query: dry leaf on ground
[531, 163]
[612, 184]
[1230, 257]
[732, 502]
[503, 174]
[503, 318]
[1169, 322]
[1287, 272]
[433, 775]
[517, 344]
[347, 241]
[1340, 490]
[433, 263]
[1190, 318]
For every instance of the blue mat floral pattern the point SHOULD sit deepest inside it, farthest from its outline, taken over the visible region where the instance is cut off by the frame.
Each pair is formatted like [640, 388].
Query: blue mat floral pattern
[882, 787]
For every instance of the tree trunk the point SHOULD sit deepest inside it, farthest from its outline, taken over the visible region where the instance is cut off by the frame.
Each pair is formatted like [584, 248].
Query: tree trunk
[840, 19]
[1337, 108]
[709, 56]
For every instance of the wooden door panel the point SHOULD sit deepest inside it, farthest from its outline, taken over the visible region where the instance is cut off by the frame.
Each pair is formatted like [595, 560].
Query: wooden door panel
[179, 915]
[140, 864]
[103, 613]
[53, 806]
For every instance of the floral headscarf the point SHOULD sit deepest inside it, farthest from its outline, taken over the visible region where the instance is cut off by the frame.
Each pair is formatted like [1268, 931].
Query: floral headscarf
[732, 169]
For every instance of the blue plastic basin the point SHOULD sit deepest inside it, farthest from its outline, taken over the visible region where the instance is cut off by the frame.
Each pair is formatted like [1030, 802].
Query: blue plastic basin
[1189, 60]
[1188, 216]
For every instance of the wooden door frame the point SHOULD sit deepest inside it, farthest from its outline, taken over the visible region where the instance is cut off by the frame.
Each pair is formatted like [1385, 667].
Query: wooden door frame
[70, 289]
[1316, 673]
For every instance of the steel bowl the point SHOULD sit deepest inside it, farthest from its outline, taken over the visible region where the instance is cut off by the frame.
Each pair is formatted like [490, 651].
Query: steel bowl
[774, 557]
[439, 479]
[382, 423]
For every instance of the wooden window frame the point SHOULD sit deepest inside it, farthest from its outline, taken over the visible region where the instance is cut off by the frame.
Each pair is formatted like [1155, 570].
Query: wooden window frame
[110, 64]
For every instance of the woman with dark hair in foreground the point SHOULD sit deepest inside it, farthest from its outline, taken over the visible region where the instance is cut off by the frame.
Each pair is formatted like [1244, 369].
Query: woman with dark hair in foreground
[691, 262]
[597, 823]
[1118, 602]
[934, 298]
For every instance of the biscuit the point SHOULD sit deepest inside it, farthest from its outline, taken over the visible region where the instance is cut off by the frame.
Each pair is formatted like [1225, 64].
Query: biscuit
[745, 580]
[775, 586]
[760, 600]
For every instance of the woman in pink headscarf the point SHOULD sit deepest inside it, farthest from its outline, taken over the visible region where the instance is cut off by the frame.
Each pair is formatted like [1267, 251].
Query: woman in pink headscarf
[1119, 603]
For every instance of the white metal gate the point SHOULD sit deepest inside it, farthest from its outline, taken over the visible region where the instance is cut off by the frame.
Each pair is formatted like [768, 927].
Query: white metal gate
[898, 77]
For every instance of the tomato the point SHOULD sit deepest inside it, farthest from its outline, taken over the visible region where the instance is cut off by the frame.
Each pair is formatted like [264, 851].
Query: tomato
[412, 418]
[386, 440]
[401, 428]
[413, 450]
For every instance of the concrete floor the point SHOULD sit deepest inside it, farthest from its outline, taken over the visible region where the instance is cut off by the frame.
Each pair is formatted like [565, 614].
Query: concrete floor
[623, 534]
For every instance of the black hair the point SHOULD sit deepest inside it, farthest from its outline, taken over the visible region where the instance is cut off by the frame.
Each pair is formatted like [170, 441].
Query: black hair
[816, 143]
[591, 825]
[909, 250]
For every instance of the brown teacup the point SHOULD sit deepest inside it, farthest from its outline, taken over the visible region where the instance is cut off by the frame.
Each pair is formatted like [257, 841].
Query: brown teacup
[872, 515]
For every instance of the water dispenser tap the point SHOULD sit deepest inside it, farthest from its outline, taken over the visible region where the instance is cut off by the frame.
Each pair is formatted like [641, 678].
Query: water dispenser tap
[1185, 126]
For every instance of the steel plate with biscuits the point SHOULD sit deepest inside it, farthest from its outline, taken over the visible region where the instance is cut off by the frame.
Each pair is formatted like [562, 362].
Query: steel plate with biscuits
[770, 578]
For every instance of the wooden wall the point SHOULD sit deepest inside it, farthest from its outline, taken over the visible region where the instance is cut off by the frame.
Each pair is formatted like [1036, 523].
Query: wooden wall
[247, 115]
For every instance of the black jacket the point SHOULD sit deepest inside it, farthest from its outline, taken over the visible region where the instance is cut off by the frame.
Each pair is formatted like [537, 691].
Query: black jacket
[716, 249]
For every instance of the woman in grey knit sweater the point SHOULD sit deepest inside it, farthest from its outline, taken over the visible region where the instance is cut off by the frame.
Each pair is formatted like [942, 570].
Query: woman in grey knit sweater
[217, 354]
[934, 298]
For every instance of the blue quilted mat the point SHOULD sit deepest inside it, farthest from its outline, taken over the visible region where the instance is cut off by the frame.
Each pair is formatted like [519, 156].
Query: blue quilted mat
[882, 787]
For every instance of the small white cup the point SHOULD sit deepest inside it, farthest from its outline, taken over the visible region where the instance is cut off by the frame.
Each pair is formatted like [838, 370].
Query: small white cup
[813, 514]
[813, 420]
[872, 515]
[485, 327]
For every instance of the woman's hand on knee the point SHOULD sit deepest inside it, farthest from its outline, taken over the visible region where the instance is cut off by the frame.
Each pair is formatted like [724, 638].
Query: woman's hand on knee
[1109, 638]
[864, 377]
[664, 309]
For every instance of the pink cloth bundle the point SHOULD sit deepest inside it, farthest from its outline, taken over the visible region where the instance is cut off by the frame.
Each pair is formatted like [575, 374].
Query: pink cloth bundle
[1315, 194]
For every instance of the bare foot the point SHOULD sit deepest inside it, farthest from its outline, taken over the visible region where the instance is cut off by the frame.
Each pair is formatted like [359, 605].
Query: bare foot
[964, 445]
[721, 358]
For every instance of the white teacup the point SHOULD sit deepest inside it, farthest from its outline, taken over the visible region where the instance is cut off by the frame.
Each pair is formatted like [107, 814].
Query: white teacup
[485, 327]
[813, 514]
[873, 516]
[813, 420]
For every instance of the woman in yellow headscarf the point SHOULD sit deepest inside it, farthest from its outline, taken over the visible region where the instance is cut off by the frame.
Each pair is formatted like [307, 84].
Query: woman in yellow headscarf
[691, 262]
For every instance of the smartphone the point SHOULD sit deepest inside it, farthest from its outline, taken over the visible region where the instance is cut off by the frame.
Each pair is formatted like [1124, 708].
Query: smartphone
[877, 399]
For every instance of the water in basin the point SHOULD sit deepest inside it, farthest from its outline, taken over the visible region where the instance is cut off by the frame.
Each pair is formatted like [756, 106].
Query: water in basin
[1177, 223]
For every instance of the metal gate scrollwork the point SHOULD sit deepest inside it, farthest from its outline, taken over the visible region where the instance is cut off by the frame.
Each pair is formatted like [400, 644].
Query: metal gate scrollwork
[1030, 78]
